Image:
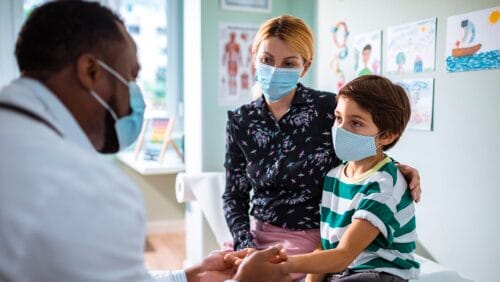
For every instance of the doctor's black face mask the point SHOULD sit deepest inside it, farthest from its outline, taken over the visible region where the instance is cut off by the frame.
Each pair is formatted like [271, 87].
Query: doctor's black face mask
[111, 145]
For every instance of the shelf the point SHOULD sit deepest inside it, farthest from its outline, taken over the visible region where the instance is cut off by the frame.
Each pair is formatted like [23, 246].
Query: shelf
[172, 164]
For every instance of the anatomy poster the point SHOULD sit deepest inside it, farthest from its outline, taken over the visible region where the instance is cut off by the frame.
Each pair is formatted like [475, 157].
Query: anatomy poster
[473, 41]
[420, 92]
[411, 48]
[236, 73]
[368, 52]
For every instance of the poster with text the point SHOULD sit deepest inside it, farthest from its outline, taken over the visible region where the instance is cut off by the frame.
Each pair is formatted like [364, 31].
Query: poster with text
[473, 41]
[368, 53]
[420, 92]
[411, 48]
[236, 72]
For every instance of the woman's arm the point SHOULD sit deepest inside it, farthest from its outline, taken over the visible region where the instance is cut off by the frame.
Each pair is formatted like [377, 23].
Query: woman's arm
[356, 238]
[236, 197]
[413, 178]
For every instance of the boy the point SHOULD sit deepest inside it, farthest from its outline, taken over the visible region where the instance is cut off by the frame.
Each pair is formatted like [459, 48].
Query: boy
[367, 214]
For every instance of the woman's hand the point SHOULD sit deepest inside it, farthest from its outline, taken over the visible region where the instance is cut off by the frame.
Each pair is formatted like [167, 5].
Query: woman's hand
[411, 175]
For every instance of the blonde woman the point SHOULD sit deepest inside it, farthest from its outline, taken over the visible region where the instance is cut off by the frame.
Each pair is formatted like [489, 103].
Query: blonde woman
[279, 146]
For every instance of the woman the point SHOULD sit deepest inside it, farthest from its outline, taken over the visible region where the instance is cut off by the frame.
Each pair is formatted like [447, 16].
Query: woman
[279, 146]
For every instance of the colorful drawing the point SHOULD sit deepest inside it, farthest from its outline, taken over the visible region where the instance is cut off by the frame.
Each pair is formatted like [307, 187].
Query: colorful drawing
[421, 95]
[236, 70]
[368, 52]
[411, 48]
[473, 41]
[339, 35]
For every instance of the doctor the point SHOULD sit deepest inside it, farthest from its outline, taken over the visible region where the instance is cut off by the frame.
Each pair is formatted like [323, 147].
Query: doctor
[65, 213]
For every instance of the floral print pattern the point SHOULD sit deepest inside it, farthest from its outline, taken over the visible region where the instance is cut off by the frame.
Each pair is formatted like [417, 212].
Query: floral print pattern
[277, 167]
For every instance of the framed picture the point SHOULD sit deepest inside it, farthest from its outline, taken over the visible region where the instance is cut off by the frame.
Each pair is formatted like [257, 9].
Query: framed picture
[262, 6]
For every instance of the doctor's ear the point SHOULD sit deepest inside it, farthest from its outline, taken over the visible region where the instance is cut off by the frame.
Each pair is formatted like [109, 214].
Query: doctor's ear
[87, 70]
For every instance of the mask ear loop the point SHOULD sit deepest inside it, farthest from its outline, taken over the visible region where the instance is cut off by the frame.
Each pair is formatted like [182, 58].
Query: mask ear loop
[104, 104]
[113, 72]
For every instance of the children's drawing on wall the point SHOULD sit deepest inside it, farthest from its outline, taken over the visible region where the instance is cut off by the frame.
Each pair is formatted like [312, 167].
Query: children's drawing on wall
[341, 58]
[236, 71]
[411, 48]
[367, 53]
[473, 41]
[421, 95]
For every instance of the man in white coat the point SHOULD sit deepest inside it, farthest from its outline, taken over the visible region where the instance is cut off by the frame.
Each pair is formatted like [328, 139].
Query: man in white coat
[65, 213]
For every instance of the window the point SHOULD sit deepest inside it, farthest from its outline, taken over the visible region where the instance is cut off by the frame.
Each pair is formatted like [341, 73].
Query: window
[29, 5]
[146, 21]
[148, 24]
[154, 26]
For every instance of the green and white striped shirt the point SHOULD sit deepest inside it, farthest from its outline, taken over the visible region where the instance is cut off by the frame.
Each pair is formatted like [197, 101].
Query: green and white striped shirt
[381, 197]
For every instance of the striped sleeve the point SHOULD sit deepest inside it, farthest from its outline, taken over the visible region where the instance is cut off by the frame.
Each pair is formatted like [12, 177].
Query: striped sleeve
[379, 208]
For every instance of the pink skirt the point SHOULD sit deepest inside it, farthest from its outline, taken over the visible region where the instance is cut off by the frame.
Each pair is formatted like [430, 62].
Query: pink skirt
[294, 242]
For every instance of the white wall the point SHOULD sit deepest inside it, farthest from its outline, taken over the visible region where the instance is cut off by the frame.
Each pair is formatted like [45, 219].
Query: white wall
[458, 220]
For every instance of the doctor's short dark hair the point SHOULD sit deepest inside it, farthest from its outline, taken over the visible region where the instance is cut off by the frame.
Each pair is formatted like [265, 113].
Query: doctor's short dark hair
[58, 32]
[387, 102]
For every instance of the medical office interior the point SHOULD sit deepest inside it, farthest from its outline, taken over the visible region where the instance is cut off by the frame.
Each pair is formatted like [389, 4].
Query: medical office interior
[196, 65]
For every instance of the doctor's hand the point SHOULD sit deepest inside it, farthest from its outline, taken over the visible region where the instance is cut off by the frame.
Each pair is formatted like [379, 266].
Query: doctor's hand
[214, 267]
[267, 264]
[216, 262]
[413, 178]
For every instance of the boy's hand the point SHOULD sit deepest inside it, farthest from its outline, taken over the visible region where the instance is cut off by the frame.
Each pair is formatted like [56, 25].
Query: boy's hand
[237, 260]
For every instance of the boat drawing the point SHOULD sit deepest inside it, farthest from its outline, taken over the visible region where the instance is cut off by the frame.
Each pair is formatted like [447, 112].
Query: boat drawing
[466, 51]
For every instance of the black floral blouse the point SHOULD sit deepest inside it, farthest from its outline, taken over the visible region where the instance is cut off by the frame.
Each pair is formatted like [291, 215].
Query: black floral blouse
[283, 162]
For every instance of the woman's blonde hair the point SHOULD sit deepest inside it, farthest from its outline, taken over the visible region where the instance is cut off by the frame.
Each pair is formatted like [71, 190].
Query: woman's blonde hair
[293, 31]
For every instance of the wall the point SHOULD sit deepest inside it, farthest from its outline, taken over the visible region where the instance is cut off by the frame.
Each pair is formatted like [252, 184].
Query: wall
[159, 194]
[458, 218]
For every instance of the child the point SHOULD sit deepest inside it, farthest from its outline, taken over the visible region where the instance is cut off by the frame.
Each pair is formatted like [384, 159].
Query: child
[367, 215]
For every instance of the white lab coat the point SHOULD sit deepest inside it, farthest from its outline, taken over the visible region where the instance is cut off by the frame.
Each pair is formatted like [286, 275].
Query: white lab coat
[65, 213]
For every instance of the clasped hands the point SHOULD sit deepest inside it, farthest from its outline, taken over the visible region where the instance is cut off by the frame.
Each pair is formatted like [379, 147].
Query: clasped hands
[247, 265]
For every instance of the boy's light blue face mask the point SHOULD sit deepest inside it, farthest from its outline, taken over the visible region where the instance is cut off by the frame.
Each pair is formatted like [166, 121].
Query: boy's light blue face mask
[128, 127]
[276, 82]
[352, 147]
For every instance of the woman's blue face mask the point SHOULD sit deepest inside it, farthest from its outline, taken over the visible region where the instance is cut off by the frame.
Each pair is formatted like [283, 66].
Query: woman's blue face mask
[276, 82]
